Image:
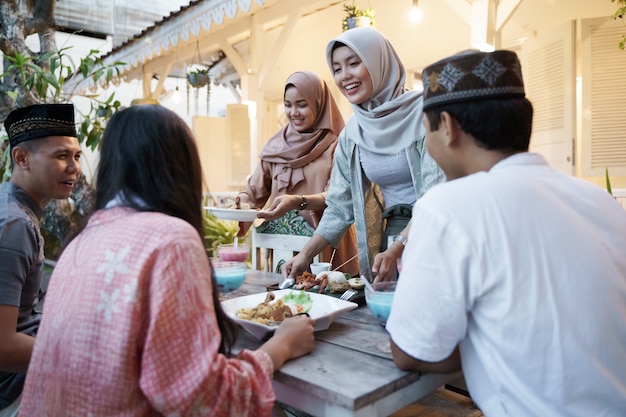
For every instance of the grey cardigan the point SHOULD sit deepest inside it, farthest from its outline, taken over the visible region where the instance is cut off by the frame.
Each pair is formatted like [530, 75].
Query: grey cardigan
[352, 198]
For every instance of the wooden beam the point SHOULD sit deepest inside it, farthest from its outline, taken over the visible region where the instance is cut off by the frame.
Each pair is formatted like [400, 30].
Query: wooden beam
[506, 8]
[285, 33]
[233, 56]
[462, 7]
[159, 88]
[483, 24]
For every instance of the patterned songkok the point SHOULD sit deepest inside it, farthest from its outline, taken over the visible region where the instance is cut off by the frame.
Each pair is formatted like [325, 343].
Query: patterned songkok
[472, 75]
[40, 121]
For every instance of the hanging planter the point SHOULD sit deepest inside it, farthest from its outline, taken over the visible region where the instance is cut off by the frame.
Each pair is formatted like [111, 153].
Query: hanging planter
[356, 17]
[198, 78]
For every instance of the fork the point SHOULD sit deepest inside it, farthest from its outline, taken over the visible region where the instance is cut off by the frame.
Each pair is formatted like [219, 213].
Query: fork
[348, 294]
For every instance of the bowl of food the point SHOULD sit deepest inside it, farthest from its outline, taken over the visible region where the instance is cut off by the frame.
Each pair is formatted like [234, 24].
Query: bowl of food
[232, 253]
[229, 275]
[321, 308]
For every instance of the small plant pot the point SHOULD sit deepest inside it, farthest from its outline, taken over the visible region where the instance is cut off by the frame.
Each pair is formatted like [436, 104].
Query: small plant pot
[352, 22]
[198, 80]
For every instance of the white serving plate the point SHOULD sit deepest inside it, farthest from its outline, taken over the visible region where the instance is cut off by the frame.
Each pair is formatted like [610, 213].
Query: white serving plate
[233, 214]
[324, 311]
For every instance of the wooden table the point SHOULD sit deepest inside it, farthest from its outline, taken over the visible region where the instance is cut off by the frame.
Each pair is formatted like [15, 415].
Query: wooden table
[345, 375]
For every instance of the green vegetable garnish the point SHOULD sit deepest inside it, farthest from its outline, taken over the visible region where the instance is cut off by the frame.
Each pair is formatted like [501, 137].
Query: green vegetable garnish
[299, 298]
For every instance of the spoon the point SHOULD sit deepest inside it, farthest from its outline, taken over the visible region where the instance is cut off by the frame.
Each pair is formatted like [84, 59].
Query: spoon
[286, 283]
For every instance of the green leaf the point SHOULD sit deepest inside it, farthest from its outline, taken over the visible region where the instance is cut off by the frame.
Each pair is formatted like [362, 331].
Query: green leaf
[93, 138]
[608, 182]
[300, 299]
[51, 79]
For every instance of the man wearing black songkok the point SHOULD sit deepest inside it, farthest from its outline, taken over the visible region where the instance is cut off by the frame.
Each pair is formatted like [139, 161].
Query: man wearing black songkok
[45, 159]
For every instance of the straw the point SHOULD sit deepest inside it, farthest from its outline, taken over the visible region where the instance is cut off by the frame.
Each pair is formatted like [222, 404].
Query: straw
[332, 256]
[346, 262]
[367, 283]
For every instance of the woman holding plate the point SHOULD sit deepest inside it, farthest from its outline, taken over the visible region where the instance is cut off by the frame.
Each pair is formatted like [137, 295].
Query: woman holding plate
[298, 159]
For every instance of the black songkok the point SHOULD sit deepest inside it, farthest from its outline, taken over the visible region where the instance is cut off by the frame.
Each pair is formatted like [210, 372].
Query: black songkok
[40, 121]
[472, 75]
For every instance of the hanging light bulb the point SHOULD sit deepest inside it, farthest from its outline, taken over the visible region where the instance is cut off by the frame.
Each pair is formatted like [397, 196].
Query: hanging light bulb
[415, 14]
[176, 96]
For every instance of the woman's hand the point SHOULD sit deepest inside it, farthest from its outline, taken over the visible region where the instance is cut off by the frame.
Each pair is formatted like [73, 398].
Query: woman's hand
[295, 266]
[243, 228]
[280, 206]
[292, 339]
[385, 263]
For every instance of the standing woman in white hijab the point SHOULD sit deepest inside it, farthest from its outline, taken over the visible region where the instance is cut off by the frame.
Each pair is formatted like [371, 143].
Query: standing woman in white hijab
[381, 148]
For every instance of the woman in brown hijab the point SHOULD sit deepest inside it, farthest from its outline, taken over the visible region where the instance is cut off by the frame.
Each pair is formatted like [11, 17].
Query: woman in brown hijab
[298, 160]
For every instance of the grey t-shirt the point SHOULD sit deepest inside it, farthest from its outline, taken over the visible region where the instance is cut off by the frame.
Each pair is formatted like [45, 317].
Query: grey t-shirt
[21, 269]
[392, 174]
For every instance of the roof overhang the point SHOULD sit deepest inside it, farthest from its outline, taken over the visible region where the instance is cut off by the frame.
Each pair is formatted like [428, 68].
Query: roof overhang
[174, 41]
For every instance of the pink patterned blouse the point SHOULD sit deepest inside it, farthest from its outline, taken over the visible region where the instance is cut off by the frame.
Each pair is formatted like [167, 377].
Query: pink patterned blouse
[129, 329]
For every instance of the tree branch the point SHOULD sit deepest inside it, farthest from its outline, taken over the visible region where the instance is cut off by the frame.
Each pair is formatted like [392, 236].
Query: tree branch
[43, 17]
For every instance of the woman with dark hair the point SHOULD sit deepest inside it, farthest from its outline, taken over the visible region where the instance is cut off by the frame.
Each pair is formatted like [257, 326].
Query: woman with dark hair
[134, 326]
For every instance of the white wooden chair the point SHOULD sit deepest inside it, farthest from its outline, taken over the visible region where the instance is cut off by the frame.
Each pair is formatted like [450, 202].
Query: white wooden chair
[269, 249]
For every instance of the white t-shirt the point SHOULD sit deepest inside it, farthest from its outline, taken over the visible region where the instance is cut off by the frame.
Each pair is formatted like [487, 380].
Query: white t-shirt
[525, 268]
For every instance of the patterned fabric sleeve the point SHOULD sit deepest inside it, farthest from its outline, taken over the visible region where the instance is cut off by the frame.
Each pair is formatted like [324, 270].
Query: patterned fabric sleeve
[181, 370]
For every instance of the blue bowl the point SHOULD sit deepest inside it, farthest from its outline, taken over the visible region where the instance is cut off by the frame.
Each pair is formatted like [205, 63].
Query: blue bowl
[229, 275]
[379, 300]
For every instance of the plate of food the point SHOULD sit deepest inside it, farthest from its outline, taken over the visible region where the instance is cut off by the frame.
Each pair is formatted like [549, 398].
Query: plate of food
[331, 283]
[260, 314]
[238, 215]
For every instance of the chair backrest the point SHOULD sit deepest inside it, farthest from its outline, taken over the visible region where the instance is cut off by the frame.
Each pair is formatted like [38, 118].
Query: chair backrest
[269, 249]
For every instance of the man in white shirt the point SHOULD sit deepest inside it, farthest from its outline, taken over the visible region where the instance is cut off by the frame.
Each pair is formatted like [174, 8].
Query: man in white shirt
[513, 271]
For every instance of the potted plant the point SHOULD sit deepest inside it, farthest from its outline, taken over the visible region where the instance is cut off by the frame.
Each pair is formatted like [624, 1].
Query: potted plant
[198, 77]
[356, 17]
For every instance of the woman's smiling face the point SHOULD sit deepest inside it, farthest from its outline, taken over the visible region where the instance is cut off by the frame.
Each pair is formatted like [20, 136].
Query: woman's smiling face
[351, 76]
[297, 109]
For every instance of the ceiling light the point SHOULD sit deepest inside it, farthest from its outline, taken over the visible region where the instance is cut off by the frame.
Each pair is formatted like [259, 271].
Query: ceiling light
[176, 96]
[415, 14]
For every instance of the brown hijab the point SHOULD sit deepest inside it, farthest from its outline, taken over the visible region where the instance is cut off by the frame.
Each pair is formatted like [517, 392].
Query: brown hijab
[292, 149]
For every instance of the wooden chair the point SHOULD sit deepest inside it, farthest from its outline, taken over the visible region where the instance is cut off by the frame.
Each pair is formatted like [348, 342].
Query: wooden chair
[274, 249]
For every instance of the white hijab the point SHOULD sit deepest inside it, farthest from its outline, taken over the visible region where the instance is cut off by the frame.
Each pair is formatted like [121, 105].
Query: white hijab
[392, 118]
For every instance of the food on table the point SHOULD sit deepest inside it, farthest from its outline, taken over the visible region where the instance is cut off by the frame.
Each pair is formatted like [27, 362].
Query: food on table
[299, 300]
[337, 281]
[356, 283]
[308, 281]
[267, 312]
